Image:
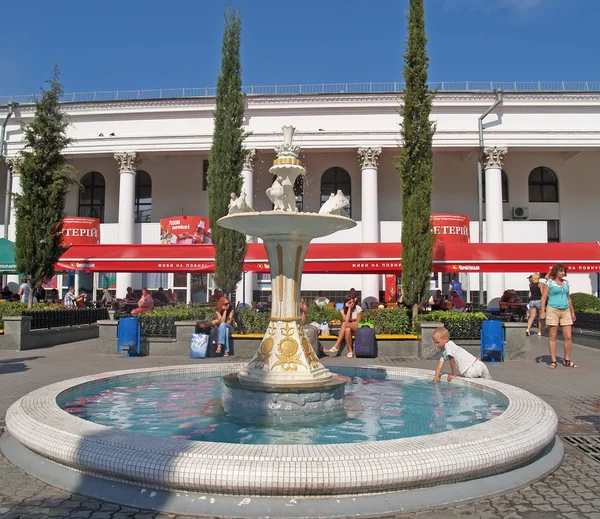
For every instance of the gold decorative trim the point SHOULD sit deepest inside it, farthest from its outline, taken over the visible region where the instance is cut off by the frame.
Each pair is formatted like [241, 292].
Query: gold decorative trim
[263, 355]
[280, 268]
[284, 319]
[287, 160]
[296, 271]
[309, 353]
[289, 355]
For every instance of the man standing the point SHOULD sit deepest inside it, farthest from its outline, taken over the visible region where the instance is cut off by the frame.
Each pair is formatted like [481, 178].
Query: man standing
[456, 285]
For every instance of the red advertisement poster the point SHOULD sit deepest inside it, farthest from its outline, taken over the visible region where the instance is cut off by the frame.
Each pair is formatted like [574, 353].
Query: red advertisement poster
[451, 227]
[185, 230]
[391, 288]
[80, 230]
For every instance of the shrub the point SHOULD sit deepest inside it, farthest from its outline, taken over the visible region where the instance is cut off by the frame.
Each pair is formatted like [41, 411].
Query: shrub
[461, 325]
[585, 302]
[321, 314]
[161, 322]
[251, 321]
[388, 320]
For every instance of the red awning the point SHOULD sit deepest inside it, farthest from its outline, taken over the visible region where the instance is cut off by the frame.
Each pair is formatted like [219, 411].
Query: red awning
[340, 258]
[139, 258]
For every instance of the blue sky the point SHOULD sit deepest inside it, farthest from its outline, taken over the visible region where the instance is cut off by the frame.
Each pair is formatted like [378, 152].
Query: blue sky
[146, 44]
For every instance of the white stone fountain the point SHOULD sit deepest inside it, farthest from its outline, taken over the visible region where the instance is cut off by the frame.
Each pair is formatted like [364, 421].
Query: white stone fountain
[285, 373]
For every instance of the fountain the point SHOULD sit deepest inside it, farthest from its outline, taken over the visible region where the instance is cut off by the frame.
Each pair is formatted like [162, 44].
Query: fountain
[285, 377]
[315, 463]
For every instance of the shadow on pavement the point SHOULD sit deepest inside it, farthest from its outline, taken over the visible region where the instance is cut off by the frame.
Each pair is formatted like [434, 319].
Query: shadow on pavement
[15, 365]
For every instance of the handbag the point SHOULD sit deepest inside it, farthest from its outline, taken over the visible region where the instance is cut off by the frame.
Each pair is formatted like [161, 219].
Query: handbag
[199, 346]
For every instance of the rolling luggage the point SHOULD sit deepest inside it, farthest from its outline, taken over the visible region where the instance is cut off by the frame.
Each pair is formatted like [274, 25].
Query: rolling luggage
[365, 343]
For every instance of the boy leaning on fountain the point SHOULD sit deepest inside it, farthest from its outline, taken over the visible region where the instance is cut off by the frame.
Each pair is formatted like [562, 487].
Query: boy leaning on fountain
[461, 361]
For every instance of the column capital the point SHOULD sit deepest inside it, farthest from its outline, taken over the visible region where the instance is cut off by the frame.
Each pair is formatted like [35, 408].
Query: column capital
[368, 157]
[14, 166]
[250, 159]
[128, 161]
[494, 157]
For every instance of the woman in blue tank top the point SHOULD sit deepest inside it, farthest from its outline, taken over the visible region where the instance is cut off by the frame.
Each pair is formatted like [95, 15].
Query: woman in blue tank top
[557, 309]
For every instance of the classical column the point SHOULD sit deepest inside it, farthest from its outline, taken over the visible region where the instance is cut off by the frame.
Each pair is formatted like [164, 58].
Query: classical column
[13, 169]
[245, 288]
[368, 158]
[494, 217]
[128, 163]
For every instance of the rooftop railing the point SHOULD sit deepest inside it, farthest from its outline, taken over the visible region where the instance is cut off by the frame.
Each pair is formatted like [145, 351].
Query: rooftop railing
[318, 88]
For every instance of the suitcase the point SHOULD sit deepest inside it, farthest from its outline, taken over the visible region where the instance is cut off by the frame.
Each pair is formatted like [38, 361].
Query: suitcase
[214, 342]
[365, 343]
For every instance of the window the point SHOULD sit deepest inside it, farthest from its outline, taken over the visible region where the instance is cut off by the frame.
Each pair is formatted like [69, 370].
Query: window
[204, 175]
[143, 197]
[543, 185]
[91, 199]
[333, 180]
[504, 187]
[553, 231]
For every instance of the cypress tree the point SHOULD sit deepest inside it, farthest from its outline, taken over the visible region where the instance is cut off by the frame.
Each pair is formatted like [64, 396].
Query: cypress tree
[415, 163]
[227, 157]
[45, 181]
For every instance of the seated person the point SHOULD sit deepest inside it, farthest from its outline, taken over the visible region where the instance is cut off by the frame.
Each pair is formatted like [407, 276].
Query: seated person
[160, 295]
[321, 300]
[53, 297]
[458, 301]
[216, 296]
[507, 297]
[145, 304]
[107, 299]
[171, 296]
[224, 320]
[69, 300]
[81, 299]
[436, 298]
[6, 293]
[130, 297]
[351, 316]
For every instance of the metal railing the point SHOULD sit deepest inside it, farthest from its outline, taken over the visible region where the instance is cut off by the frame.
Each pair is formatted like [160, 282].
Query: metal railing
[69, 317]
[317, 88]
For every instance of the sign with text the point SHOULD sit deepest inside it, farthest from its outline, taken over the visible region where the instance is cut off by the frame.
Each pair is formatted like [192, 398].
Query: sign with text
[185, 230]
[453, 228]
[80, 230]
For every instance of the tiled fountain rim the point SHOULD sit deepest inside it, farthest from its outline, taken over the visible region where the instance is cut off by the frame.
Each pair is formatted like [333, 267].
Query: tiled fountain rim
[518, 434]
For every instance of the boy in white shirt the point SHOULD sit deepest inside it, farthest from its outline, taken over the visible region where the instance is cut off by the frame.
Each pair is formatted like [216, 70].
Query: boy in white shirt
[461, 361]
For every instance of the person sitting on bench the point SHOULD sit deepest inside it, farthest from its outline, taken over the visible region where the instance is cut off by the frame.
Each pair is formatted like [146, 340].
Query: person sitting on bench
[351, 316]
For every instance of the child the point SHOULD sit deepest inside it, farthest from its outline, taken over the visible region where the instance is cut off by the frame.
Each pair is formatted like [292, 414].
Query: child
[461, 361]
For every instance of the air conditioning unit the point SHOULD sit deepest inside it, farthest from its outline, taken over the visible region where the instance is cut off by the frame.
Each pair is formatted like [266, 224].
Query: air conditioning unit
[520, 213]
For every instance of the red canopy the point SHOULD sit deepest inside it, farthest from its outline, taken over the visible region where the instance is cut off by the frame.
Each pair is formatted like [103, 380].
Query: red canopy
[339, 258]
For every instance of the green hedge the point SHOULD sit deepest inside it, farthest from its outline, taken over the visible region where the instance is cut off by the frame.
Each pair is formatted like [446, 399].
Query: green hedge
[389, 320]
[161, 322]
[461, 325]
[15, 309]
[585, 302]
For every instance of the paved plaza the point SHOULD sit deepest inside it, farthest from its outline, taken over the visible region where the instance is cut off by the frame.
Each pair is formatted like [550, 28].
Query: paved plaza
[573, 491]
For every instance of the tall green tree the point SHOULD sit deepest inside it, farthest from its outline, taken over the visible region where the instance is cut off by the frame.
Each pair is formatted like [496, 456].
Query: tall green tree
[45, 181]
[227, 157]
[415, 163]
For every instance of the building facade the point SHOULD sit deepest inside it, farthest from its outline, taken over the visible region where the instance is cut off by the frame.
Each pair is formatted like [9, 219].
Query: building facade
[141, 160]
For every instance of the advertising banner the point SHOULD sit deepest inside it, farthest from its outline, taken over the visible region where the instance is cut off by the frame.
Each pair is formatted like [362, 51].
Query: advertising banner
[451, 228]
[185, 230]
[80, 230]
[391, 288]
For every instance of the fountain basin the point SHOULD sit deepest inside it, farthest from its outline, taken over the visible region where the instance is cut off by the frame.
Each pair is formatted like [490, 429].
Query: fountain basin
[516, 436]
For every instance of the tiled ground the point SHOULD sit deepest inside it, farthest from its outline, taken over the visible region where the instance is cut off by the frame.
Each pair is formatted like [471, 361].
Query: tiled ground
[573, 491]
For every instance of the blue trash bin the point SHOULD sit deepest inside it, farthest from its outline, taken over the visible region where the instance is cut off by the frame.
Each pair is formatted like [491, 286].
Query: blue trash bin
[128, 335]
[492, 341]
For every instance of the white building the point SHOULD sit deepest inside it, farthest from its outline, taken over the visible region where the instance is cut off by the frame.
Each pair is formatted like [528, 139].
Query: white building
[144, 158]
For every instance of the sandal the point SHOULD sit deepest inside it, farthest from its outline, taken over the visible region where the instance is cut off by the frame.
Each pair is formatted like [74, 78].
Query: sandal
[226, 354]
[552, 365]
[569, 364]
[528, 333]
[333, 350]
[218, 350]
[350, 355]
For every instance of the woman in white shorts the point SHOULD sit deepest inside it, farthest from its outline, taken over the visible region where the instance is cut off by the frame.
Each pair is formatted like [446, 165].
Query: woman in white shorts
[557, 309]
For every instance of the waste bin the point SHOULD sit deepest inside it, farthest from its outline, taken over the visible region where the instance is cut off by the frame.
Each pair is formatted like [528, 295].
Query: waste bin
[492, 341]
[128, 335]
